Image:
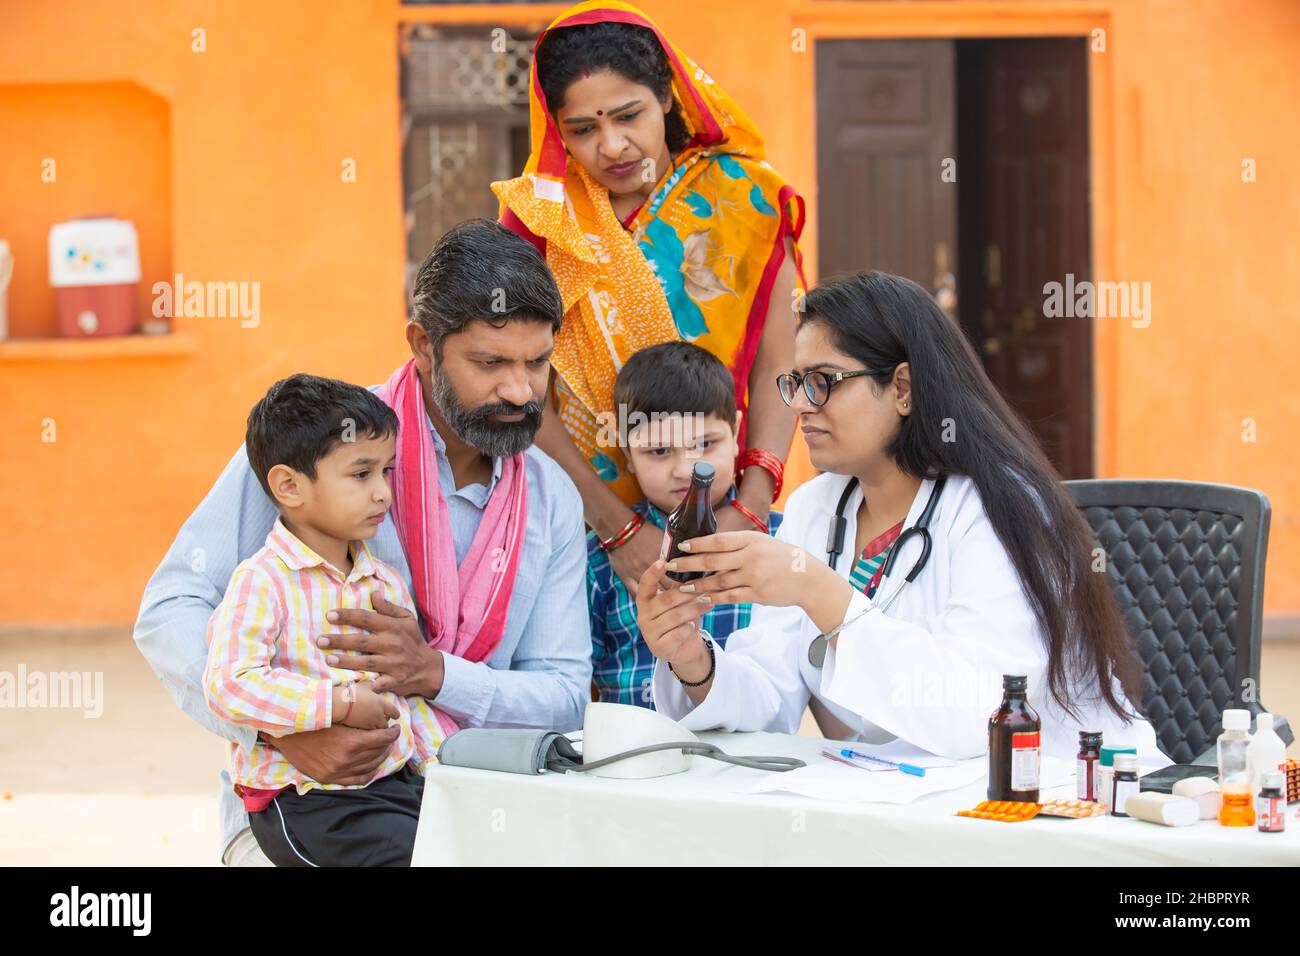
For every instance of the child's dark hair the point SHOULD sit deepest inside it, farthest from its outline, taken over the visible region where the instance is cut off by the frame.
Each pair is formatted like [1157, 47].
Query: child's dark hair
[631, 51]
[676, 378]
[302, 418]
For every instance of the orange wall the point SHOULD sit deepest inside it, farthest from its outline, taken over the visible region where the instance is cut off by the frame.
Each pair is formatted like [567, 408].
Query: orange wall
[257, 128]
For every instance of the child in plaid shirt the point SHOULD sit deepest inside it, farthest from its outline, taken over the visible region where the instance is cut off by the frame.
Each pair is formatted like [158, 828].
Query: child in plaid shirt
[323, 450]
[679, 402]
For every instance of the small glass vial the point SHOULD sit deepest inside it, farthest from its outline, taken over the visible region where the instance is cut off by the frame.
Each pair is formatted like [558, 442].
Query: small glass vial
[1106, 771]
[1270, 805]
[1089, 761]
[1125, 784]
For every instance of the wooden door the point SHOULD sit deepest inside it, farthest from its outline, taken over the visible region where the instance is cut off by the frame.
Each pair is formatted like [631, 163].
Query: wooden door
[1032, 112]
[885, 126]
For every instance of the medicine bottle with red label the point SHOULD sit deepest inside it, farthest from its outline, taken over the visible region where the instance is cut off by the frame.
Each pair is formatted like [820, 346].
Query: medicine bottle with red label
[1270, 805]
[1014, 744]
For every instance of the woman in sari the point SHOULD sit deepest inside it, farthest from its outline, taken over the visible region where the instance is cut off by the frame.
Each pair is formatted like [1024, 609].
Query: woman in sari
[648, 194]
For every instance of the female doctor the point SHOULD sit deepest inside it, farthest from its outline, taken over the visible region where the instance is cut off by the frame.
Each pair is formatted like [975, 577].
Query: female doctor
[923, 457]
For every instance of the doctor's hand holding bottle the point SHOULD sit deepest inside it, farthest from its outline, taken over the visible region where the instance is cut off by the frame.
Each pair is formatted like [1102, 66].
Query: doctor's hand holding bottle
[742, 567]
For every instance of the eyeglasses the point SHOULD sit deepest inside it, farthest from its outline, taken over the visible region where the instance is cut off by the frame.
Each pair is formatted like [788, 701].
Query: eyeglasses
[816, 385]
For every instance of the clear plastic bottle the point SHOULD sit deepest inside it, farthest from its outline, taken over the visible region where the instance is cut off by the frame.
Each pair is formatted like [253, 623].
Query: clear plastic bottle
[1266, 752]
[1234, 770]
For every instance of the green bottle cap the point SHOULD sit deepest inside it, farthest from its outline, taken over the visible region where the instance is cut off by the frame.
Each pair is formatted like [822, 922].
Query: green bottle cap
[1108, 754]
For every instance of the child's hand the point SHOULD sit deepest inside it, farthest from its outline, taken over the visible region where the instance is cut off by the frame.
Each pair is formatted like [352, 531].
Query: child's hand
[369, 711]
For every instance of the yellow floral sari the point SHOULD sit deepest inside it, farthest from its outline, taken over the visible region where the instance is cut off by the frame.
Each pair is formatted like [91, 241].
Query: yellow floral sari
[698, 265]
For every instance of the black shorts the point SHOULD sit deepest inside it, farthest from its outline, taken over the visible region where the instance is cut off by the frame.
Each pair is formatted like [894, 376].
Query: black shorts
[369, 826]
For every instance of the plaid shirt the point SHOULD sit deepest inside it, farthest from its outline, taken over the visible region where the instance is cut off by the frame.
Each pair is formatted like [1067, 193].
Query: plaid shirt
[623, 667]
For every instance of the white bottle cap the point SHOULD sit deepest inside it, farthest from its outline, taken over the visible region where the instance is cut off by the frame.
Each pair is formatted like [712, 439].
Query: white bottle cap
[1263, 722]
[1126, 762]
[1273, 779]
[1236, 719]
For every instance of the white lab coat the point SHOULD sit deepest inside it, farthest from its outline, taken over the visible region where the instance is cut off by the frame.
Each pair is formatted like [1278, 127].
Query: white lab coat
[927, 670]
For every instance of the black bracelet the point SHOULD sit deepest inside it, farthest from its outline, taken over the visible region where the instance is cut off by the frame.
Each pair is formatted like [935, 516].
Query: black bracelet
[713, 666]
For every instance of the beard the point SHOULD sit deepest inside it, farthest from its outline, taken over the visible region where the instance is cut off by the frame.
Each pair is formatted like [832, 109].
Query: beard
[475, 427]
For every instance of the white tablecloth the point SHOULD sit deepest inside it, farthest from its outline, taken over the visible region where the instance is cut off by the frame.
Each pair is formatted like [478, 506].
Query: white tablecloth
[706, 816]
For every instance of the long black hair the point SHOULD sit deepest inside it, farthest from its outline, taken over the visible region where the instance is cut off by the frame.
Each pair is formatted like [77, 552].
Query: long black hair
[632, 52]
[885, 320]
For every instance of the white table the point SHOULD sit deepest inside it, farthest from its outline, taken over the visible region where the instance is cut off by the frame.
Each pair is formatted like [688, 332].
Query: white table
[705, 817]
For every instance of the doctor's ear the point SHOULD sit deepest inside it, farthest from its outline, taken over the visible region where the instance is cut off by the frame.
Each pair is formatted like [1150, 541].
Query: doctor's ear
[903, 389]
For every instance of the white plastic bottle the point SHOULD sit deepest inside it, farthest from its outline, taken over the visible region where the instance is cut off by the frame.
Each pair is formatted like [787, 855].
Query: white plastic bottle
[1266, 752]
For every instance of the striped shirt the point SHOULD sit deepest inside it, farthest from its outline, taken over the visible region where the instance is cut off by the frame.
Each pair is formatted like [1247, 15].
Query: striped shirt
[622, 665]
[265, 670]
[870, 565]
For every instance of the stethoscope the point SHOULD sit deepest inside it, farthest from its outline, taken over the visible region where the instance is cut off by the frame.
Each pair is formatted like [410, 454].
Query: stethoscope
[835, 547]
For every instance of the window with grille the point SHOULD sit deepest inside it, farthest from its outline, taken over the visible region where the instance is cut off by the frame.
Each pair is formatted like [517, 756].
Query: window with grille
[464, 125]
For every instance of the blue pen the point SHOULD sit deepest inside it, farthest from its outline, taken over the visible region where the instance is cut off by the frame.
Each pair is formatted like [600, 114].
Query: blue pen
[905, 767]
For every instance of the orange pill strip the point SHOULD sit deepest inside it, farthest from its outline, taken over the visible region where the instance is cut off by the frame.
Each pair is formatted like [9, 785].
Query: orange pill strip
[1007, 811]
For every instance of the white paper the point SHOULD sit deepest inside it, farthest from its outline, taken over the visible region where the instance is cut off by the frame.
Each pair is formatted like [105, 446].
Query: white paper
[828, 780]
[898, 751]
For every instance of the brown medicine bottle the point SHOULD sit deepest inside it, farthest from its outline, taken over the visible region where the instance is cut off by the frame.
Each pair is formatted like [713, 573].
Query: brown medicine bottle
[693, 518]
[1089, 762]
[1014, 745]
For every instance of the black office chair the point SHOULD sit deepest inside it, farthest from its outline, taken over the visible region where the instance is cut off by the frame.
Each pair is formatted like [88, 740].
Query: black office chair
[1187, 562]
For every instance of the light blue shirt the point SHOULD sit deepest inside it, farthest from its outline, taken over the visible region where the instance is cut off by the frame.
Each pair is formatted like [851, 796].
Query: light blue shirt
[539, 675]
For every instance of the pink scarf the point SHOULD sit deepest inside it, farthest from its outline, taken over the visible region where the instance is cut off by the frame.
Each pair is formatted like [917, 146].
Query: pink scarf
[463, 608]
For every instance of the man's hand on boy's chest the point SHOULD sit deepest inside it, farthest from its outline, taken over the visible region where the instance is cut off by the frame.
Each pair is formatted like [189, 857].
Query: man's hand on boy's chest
[391, 644]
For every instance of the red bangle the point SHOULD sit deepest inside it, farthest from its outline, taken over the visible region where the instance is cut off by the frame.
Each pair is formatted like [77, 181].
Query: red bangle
[762, 526]
[767, 461]
[624, 535]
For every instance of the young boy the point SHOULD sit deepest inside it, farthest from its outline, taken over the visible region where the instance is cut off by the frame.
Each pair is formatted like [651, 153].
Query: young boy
[323, 450]
[680, 405]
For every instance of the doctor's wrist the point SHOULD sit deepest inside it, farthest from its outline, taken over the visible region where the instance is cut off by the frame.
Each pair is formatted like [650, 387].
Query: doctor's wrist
[827, 600]
[699, 670]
